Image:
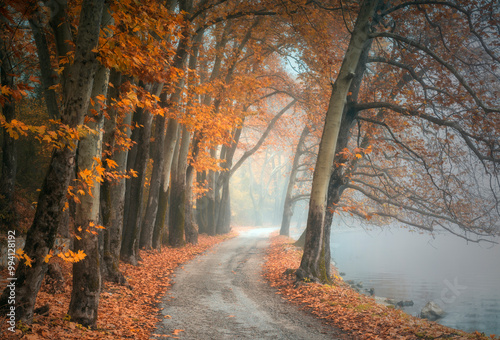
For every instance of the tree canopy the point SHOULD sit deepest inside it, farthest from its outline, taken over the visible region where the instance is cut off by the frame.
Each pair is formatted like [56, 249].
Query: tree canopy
[150, 107]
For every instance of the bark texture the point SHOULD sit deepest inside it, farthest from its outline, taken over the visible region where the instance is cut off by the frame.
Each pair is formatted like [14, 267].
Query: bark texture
[177, 212]
[311, 264]
[113, 193]
[42, 233]
[159, 162]
[289, 202]
[161, 214]
[134, 195]
[86, 273]
[9, 146]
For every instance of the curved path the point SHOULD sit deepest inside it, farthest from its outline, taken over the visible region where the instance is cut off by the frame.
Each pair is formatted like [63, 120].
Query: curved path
[221, 295]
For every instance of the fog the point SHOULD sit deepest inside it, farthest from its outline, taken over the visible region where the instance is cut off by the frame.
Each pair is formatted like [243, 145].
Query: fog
[462, 277]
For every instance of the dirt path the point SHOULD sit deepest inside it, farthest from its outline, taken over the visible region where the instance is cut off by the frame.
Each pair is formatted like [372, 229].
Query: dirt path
[222, 295]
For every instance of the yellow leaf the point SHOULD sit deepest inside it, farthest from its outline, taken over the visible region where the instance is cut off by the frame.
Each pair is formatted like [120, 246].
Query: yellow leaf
[28, 260]
[111, 163]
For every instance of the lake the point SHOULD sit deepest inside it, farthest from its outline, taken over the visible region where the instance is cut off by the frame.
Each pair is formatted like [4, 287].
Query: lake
[463, 278]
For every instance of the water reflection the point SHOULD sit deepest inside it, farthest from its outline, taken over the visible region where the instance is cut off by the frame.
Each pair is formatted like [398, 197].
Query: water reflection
[464, 279]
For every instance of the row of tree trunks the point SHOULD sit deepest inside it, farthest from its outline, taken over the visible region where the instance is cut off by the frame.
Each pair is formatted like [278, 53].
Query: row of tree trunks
[206, 215]
[165, 133]
[118, 205]
[222, 194]
[135, 189]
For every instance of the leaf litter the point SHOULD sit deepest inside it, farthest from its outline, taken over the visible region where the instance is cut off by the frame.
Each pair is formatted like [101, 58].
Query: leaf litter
[359, 316]
[124, 312]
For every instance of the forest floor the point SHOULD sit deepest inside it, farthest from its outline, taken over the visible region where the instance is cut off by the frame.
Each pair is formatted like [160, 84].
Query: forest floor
[237, 289]
[124, 312]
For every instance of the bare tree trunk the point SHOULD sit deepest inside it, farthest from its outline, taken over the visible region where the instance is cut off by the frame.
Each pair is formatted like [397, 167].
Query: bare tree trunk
[191, 229]
[135, 193]
[169, 149]
[201, 206]
[289, 203]
[86, 273]
[223, 204]
[41, 236]
[9, 146]
[48, 75]
[177, 217]
[146, 239]
[113, 193]
[205, 206]
[315, 232]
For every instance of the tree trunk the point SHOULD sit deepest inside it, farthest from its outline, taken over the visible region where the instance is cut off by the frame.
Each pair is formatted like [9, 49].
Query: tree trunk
[205, 206]
[9, 146]
[131, 158]
[146, 239]
[161, 218]
[113, 193]
[177, 216]
[169, 149]
[191, 229]
[190, 224]
[339, 178]
[289, 203]
[223, 204]
[48, 75]
[201, 206]
[310, 266]
[135, 193]
[301, 241]
[42, 233]
[86, 273]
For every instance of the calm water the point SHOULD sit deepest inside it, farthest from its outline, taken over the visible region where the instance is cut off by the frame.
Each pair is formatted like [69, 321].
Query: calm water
[464, 279]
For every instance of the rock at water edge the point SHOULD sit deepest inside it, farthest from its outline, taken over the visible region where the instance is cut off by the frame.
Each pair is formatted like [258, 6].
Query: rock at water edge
[432, 311]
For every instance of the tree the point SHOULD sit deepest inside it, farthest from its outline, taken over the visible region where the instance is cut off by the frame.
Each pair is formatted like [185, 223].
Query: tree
[76, 96]
[113, 191]
[430, 132]
[86, 279]
[311, 264]
[289, 202]
[9, 149]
